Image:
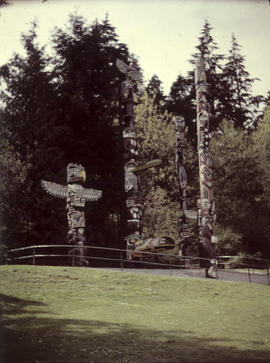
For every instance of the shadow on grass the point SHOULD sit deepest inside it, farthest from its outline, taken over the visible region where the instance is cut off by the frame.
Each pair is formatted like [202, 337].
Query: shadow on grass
[14, 306]
[47, 340]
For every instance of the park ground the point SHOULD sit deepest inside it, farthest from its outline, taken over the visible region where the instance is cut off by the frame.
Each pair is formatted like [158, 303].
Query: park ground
[64, 314]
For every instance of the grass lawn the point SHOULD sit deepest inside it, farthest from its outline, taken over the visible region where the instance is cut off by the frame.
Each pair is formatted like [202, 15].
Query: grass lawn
[64, 315]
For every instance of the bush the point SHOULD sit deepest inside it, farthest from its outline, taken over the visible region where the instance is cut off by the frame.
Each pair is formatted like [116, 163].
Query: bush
[237, 261]
[229, 243]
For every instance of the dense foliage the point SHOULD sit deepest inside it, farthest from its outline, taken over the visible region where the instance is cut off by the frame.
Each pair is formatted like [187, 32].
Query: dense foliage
[229, 88]
[64, 108]
[239, 193]
[57, 110]
[156, 139]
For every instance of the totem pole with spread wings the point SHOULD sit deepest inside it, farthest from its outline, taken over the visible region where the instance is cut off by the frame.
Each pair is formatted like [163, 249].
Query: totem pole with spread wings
[76, 196]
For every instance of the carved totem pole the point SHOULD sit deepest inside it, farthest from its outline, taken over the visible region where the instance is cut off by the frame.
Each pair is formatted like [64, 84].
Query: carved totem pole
[76, 196]
[133, 228]
[206, 202]
[179, 160]
[130, 154]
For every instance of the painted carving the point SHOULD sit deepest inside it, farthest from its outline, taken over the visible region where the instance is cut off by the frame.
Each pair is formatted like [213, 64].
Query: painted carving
[184, 227]
[130, 155]
[206, 202]
[76, 196]
[130, 152]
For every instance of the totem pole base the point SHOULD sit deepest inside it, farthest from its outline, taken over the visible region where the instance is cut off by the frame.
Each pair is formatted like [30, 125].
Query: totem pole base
[77, 257]
[211, 273]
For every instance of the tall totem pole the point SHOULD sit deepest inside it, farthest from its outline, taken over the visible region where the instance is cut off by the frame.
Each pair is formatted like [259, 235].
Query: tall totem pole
[133, 212]
[76, 196]
[206, 202]
[133, 204]
[182, 176]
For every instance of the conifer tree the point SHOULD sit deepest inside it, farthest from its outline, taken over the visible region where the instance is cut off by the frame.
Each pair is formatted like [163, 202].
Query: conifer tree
[207, 49]
[267, 100]
[155, 91]
[183, 95]
[30, 137]
[239, 105]
[62, 109]
[85, 65]
[182, 103]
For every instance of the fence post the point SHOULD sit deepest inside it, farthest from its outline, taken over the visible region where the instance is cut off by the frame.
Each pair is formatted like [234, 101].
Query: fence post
[249, 279]
[268, 273]
[253, 265]
[170, 265]
[121, 259]
[73, 258]
[7, 257]
[34, 256]
[217, 269]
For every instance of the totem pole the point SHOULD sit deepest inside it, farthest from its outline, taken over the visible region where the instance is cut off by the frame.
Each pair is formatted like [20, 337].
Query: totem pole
[75, 195]
[133, 228]
[206, 202]
[184, 220]
[179, 160]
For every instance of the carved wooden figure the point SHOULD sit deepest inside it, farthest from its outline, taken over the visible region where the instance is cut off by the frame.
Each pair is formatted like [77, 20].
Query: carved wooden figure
[76, 196]
[206, 210]
[130, 155]
[184, 229]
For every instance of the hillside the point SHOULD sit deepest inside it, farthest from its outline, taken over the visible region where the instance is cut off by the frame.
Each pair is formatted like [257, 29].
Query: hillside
[64, 314]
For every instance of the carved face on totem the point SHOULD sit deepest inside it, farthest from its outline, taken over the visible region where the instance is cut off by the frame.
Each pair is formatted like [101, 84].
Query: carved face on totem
[131, 179]
[76, 195]
[179, 123]
[75, 173]
[130, 144]
[76, 220]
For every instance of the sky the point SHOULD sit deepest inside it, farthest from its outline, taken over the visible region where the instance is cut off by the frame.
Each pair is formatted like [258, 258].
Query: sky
[161, 33]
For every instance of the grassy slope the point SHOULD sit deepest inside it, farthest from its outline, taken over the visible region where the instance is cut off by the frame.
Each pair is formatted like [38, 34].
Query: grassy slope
[63, 314]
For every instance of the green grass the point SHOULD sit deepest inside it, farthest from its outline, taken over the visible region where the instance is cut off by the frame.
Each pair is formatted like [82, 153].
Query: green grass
[64, 315]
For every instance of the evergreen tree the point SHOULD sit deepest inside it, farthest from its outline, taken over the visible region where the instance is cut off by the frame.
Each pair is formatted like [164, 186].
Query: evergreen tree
[261, 139]
[57, 110]
[155, 91]
[182, 103]
[183, 95]
[30, 136]
[239, 105]
[267, 100]
[207, 49]
[12, 178]
[85, 65]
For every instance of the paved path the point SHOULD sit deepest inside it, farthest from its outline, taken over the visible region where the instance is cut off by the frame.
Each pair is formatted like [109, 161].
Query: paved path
[225, 275]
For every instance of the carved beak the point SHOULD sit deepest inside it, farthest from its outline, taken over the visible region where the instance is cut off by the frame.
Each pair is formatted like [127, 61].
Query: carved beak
[83, 175]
